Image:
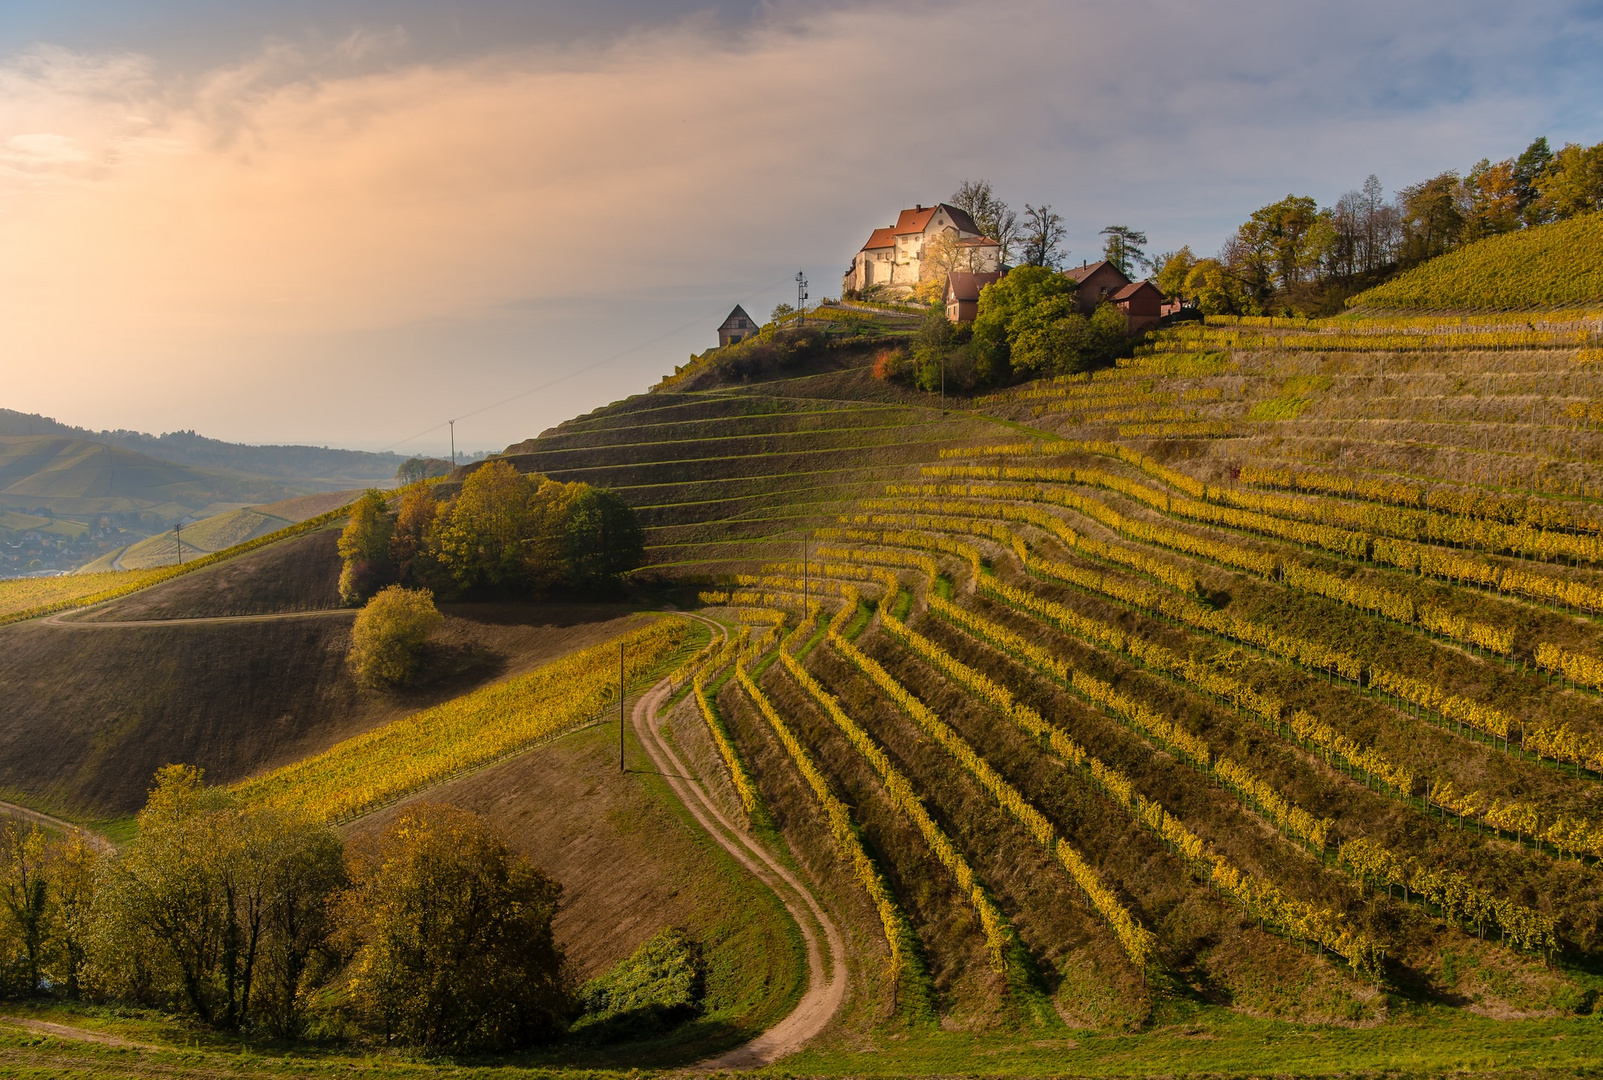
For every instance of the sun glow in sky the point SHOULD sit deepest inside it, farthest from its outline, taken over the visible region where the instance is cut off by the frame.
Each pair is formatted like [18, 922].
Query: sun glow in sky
[344, 223]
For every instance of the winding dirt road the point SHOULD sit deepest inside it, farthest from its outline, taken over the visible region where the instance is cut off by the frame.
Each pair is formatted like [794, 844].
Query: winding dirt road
[826, 984]
[826, 987]
[93, 839]
[60, 618]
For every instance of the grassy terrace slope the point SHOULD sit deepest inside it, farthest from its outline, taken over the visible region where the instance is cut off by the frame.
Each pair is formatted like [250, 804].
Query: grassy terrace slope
[722, 474]
[1286, 652]
[1552, 264]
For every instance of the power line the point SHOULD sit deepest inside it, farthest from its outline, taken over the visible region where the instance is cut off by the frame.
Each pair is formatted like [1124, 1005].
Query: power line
[587, 367]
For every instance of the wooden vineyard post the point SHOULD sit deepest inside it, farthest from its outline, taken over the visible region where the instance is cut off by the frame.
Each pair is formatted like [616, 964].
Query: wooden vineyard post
[620, 707]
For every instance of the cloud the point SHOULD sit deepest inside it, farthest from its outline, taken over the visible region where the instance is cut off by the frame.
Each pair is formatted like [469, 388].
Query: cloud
[282, 207]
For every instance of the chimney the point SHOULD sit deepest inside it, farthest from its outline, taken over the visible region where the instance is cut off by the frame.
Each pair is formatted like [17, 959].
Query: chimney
[918, 206]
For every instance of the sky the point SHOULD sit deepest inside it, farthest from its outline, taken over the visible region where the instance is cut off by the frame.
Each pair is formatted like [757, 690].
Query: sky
[345, 222]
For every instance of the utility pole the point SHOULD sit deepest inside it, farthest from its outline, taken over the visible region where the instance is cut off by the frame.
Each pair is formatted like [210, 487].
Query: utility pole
[178, 540]
[801, 299]
[453, 442]
[620, 708]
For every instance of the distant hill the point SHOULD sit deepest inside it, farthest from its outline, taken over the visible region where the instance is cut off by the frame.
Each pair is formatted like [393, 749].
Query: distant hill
[1546, 266]
[306, 464]
[222, 530]
[75, 477]
[65, 501]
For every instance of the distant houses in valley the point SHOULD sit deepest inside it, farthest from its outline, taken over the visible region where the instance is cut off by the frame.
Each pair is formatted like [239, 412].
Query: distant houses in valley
[893, 261]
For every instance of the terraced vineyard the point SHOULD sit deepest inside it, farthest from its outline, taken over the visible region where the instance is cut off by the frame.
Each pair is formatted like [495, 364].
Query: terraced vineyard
[730, 474]
[1265, 671]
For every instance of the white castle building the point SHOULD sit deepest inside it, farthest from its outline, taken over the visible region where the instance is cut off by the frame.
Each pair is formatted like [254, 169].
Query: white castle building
[894, 257]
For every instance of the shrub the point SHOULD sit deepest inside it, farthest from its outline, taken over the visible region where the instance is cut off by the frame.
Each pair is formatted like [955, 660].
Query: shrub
[890, 364]
[658, 986]
[450, 939]
[387, 640]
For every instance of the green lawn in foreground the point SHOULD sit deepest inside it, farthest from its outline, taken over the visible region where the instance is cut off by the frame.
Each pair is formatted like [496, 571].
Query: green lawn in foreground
[1213, 1041]
[1218, 1042]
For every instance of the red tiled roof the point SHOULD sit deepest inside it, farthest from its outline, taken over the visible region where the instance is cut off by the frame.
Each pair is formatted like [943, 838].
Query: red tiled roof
[881, 238]
[918, 218]
[914, 220]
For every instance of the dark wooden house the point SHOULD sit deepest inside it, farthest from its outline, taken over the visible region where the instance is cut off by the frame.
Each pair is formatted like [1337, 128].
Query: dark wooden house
[738, 327]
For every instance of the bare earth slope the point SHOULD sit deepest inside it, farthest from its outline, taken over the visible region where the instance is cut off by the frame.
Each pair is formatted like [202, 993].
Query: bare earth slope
[91, 710]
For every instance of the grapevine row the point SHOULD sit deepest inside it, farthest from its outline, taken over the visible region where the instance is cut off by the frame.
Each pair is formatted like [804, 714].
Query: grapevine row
[998, 933]
[1138, 943]
[898, 932]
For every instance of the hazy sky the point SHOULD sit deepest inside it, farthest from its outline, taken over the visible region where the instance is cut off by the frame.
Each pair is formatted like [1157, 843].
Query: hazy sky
[344, 222]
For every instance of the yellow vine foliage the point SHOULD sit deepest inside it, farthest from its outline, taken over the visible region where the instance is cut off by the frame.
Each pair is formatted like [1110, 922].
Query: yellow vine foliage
[469, 732]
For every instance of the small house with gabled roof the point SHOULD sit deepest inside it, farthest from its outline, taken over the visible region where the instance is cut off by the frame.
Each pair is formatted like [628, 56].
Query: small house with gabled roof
[963, 293]
[1098, 282]
[1142, 304]
[738, 327]
[1102, 282]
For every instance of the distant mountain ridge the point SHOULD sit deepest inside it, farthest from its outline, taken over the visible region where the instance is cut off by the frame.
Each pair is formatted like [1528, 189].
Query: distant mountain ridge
[303, 464]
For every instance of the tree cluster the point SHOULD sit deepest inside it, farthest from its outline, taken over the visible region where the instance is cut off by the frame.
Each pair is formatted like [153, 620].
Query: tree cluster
[1027, 326]
[1294, 256]
[431, 933]
[504, 532]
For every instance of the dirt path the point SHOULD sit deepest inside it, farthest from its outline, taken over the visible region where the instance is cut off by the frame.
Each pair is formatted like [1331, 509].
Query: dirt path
[64, 1031]
[93, 839]
[826, 989]
[60, 618]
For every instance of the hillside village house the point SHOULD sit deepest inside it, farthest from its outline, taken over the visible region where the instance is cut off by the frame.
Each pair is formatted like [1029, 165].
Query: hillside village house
[1143, 304]
[963, 293]
[1141, 301]
[893, 257]
[738, 327]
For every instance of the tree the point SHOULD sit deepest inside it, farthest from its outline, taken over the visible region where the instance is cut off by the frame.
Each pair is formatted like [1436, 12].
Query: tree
[196, 904]
[1282, 245]
[24, 895]
[1042, 236]
[1432, 222]
[73, 866]
[450, 938]
[1028, 323]
[1529, 168]
[482, 540]
[991, 215]
[1490, 200]
[414, 536]
[931, 345]
[944, 255]
[390, 632]
[1172, 269]
[781, 312]
[415, 470]
[1216, 290]
[1573, 182]
[1379, 227]
[1125, 248]
[365, 547]
[602, 537]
